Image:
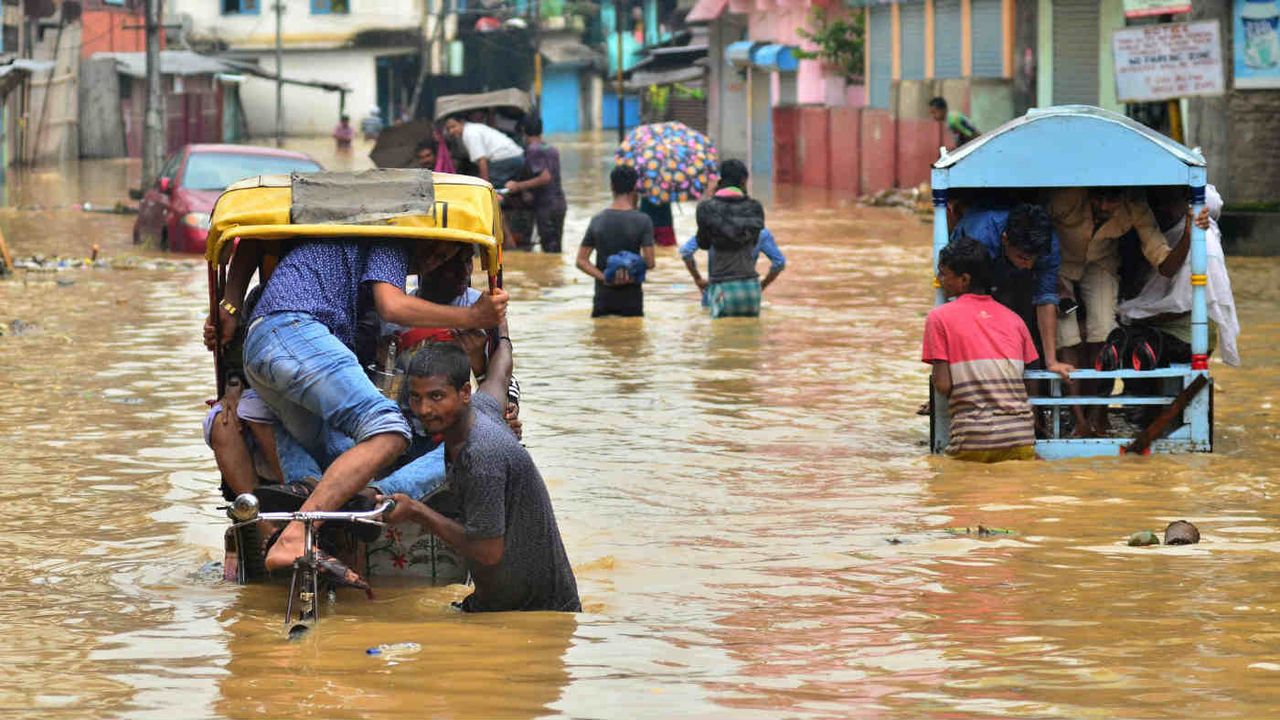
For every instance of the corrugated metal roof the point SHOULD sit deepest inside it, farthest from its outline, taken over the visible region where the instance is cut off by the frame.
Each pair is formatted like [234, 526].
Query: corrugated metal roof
[172, 62]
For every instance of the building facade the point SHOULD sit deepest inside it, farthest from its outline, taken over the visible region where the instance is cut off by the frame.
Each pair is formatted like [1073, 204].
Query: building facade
[369, 46]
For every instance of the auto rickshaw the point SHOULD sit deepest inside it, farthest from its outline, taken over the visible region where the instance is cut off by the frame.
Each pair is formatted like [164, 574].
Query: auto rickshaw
[403, 206]
[1085, 146]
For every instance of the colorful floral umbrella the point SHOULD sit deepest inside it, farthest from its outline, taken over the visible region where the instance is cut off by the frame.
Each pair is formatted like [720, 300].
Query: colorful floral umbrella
[675, 162]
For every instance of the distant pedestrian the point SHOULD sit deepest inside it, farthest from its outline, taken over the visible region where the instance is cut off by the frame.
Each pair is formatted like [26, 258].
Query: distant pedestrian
[371, 124]
[959, 125]
[978, 349]
[618, 228]
[542, 165]
[343, 134]
[729, 226]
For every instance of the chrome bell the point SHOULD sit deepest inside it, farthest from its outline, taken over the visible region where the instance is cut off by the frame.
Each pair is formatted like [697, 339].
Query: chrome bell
[244, 508]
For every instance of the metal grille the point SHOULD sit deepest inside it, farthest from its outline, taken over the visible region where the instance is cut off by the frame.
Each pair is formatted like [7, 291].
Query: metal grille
[911, 19]
[1075, 52]
[881, 70]
[946, 39]
[988, 38]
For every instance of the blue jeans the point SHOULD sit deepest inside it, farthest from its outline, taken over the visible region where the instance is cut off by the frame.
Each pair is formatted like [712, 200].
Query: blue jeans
[418, 478]
[316, 387]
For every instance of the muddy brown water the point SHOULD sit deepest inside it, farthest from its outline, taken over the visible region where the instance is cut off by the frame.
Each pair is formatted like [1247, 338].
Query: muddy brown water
[726, 492]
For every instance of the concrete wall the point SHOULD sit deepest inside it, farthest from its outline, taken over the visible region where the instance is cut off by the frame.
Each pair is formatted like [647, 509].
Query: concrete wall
[310, 111]
[919, 136]
[101, 117]
[1239, 133]
[302, 29]
[846, 151]
[727, 100]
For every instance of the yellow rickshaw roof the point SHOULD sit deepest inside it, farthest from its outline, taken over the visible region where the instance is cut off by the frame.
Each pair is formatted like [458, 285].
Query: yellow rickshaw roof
[258, 208]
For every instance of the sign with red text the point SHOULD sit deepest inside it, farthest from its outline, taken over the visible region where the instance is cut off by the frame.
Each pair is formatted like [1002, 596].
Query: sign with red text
[1163, 62]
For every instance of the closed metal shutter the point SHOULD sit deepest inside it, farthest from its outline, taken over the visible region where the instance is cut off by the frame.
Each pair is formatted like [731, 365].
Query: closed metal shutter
[881, 70]
[988, 38]
[690, 111]
[911, 19]
[947, 39]
[1075, 52]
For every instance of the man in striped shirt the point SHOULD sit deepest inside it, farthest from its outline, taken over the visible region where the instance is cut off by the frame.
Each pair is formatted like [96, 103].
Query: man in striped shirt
[978, 349]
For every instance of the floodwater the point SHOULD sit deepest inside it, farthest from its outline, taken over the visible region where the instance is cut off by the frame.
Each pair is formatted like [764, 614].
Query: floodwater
[727, 492]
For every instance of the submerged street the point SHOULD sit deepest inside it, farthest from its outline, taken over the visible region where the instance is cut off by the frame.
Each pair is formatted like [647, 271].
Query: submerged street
[750, 508]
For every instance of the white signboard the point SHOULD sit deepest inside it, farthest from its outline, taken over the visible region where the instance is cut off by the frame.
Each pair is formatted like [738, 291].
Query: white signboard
[1163, 62]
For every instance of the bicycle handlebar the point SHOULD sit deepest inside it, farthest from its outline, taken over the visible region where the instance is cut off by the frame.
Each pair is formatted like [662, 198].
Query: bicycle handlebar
[368, 516]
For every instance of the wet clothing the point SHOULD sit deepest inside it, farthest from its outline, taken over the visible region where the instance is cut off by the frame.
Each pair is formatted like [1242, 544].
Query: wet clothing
[986, 347]
[734, 298]
[729, 226]
[483, 141]
[767, 245]
[323, 278]
[502, 495]
[613, 231]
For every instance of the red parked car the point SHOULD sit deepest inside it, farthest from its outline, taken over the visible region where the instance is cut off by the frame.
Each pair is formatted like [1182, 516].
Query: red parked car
[174, 213]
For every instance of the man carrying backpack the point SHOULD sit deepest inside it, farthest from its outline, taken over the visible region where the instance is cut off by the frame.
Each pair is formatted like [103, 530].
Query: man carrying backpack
[729, 226]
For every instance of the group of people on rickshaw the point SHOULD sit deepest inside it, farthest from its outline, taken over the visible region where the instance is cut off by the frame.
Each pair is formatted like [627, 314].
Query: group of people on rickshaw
[1061, 279]
[304, 427]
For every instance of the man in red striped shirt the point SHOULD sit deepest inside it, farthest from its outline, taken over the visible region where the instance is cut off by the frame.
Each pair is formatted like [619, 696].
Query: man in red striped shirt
[978, 349]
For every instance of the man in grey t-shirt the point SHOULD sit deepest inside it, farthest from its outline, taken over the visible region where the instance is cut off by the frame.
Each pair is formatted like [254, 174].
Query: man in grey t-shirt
[508, 532]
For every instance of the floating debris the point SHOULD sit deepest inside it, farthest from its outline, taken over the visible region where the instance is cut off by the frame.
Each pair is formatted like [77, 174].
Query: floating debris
[40, 263]
[980, 531]
[1143, 538]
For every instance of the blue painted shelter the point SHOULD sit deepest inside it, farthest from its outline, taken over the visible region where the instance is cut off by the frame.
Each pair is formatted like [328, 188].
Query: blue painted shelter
[1085, 146]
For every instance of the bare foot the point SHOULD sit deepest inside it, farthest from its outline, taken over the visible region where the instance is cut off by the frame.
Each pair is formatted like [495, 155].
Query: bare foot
[287, 549]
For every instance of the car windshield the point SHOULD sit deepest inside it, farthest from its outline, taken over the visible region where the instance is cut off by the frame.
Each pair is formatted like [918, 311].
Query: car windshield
[217, 170]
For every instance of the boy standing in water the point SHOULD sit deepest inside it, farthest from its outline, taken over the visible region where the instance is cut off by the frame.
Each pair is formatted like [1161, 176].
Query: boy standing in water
[618, 228]
[508, 531]
[978, 349]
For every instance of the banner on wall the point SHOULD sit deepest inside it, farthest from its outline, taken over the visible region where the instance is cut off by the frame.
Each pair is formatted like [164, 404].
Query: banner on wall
[1147, 8]
[1256, 30]
[1164, 62]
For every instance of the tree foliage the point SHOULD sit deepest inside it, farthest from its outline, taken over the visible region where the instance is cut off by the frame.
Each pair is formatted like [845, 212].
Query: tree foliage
[839, 42]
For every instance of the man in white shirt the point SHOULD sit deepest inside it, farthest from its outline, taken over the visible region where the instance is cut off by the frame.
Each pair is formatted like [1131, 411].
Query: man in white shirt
[1165, 302]
[497, 157]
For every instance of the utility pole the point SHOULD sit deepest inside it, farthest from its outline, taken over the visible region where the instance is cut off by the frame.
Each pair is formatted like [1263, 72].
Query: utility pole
[622, 105]
[279, 8]
[153, 140]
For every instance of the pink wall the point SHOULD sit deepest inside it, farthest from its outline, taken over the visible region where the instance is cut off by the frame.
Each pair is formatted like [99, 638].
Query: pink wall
[786, 132]
[814, 154]
[846, 151]
[879, 165]
[918, 141]
[778, 21]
